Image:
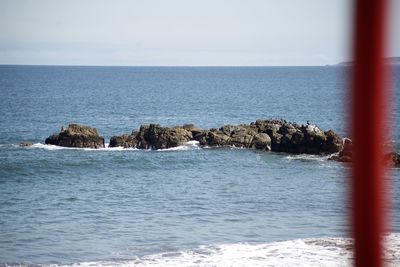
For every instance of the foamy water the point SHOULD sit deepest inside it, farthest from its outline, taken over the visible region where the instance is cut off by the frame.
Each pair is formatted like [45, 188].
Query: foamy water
[53, 147]
[306, 157]
[330, 251]
[189, 145]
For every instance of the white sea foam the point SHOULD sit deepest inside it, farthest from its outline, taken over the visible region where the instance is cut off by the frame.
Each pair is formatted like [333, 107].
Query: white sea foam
[189, 145]
[328, 251]
[307, 157]
[53, 147]
[47, 147]
[237, 147]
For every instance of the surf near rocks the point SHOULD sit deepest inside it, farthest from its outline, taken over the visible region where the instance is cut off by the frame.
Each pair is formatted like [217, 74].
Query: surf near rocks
[269, 135]
[392, 159]
[274, 135]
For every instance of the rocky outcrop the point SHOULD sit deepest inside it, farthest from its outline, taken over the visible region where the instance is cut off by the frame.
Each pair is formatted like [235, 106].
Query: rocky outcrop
[275, 135]
[244, 136]
[241, 135]
[261, 141]
[298, 139]
[346, 154]
[76, 135]
[126, 141]
[197, 133]
[392, 159]
[154, 136]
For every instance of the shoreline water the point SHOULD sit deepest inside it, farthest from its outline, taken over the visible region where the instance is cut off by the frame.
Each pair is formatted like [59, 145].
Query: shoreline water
[307, 252]
[61, 206]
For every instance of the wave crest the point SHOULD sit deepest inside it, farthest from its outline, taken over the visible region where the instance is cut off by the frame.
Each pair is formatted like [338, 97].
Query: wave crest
[331, 251]
[188, 146]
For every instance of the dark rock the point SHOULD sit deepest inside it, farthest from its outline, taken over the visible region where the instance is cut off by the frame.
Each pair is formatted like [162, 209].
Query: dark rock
[333, 142]
[288, 129]
[192, 128]
[346, 154]
[261, 141]
[393, 159]
[229, 135]
[242, 135]
[154, 136]
[293, 138]
[289, 138]
[269, 126]
[76, 135]
[177, 136]
[272, 128]
[229, 129]
[198, 134]
[52, 139]
[126, 141]
[216, 138]
[201, 136]
[314, 141]
[117, 141]
[25, 144]
[141, 137]
[276, 135]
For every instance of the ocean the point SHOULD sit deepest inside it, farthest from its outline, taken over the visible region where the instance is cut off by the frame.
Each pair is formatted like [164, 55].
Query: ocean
[186, 206]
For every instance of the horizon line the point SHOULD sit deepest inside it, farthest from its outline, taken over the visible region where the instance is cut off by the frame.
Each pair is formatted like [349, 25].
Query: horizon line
[162, 66]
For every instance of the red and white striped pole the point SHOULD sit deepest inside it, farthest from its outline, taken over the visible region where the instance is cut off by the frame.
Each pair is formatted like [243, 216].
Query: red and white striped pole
[368, 131]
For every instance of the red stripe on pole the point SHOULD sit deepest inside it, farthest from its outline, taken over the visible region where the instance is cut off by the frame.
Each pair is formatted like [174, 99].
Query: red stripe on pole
[368, 98]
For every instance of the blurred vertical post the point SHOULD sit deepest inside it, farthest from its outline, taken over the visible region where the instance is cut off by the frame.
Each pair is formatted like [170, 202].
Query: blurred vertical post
[369, 130]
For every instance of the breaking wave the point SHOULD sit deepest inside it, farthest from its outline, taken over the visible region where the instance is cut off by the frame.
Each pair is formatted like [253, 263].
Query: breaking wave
[188, 146]
[307, 157]
[329, 251]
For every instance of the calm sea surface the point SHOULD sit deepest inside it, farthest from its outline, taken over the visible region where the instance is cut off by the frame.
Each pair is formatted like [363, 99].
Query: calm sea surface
[115, 206]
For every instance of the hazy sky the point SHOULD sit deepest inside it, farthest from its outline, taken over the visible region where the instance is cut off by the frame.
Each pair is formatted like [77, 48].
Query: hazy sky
[178, 32]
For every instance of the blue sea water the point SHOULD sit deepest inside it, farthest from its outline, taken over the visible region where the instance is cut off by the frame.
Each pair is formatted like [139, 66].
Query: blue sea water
[180, 206]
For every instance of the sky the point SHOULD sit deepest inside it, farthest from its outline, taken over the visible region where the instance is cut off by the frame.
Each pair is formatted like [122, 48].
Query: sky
[180, 32]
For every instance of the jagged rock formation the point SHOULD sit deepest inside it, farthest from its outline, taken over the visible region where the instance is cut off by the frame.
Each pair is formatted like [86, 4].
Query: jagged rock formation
[76, 135]
[275, 135]
[126, 141]
[154, 136]
[297, 139]
[346, 155]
